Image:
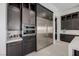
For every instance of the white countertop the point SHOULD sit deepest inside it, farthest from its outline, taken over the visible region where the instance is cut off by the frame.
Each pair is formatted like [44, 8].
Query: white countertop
[75, 43]
[14, 40]
[70, 32]
[29, 34]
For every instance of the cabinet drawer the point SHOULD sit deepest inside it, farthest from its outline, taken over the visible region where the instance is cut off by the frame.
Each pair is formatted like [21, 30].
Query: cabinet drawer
[14, 49]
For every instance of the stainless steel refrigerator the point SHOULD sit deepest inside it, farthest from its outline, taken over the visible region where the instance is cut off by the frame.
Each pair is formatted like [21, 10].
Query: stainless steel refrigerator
[44, 27]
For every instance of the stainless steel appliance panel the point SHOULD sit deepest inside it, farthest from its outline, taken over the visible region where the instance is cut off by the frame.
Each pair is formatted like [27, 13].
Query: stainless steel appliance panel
[44, 27]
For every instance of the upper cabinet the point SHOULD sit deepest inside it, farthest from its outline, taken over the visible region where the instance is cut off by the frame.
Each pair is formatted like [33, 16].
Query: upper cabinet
[44, 16]
[43, 12]
[70, 21]
[13, 16]
[28, 14]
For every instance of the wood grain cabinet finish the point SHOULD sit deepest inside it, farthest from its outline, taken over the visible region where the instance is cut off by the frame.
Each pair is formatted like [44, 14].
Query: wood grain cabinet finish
[66, 38]
[14, 49]
[28, 44]
[70, 21]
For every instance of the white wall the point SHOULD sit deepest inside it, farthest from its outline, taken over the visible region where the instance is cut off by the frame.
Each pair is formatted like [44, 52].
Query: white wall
[3, 29]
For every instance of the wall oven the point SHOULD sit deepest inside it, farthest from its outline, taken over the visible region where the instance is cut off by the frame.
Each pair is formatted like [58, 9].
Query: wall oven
[28, 30]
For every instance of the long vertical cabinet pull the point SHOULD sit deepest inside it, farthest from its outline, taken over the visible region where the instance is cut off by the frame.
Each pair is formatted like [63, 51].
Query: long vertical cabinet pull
[20, 20]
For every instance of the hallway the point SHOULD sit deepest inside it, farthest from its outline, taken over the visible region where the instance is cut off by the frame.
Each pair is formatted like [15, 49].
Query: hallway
[59, 49]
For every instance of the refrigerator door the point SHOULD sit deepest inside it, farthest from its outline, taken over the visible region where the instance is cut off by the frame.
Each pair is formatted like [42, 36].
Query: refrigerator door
[44, 27]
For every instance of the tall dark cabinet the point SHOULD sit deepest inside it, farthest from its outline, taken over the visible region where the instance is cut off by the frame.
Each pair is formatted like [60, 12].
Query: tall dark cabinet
[28, 27]
[13, 25]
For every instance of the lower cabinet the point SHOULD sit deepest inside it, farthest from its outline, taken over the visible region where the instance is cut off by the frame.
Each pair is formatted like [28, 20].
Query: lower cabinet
[20, 48]
[28, 44]
[66, 37]
[14, 49]
[76, 53]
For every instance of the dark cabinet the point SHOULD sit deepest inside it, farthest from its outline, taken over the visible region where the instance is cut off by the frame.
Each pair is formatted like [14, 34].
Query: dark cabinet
[66, 22]
[14, 49]
[66, 37]
[76, 53]
[28, 13]
[70, 21]
[13, 16]
[44, 12]
[28, 44]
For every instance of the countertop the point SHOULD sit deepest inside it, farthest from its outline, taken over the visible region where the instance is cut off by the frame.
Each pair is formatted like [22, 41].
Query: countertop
[75, 43]
[14, 40]
[70, 32]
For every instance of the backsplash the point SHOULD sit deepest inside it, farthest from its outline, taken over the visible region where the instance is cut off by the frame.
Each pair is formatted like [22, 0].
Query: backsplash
[13, 34]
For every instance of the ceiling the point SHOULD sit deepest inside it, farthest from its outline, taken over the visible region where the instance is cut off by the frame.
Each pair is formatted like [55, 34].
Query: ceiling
[65, 6]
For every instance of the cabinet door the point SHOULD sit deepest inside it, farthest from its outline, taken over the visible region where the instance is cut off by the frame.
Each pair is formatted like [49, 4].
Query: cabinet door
[13, 16]
[66, 38]
[62, 24]
[32, 13]
[75, 24]
[14, 49]
[28, 13]
[66, 24]
[28, 44]
[25, 14]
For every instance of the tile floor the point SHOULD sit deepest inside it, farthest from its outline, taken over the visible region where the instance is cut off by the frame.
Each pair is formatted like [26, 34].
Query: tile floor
[59, 49]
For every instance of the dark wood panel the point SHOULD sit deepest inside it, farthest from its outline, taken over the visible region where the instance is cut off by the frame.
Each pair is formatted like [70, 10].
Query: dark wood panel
[66, 38]
[14, 49]
[70, 21]
[28, 44]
